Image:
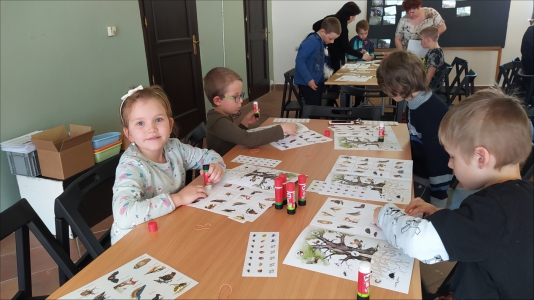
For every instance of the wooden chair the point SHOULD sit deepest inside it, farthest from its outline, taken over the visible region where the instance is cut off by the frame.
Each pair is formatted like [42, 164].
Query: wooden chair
[438, 82]
[86, 202]
[508, 72]
[20, 218]
[195, 138]
[290, 90]
[466, 87]
[344, 113]
[455, 87]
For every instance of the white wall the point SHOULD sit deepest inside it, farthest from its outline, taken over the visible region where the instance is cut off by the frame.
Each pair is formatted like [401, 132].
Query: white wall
[292, 21]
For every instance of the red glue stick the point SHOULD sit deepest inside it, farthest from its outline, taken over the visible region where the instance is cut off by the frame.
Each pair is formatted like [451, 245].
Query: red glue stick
[256, 109]
[302, 189]
[381, 133]
[207, 183]
[291, 205]
[278, 193]
[364, 280]
[284, 192]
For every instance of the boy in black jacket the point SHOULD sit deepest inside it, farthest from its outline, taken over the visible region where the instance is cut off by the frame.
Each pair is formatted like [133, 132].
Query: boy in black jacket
[487, 136]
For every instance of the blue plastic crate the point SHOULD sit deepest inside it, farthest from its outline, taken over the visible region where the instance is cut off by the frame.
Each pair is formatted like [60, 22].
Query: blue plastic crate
[105, 139]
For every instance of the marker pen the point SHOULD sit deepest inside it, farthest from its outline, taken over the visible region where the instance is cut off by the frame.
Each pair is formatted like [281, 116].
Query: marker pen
[207, 183]
[278, 193]
[290, 186]
[256, 109]
[302, 189]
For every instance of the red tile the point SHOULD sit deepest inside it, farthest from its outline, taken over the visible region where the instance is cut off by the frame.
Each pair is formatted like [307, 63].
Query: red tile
[40, 260]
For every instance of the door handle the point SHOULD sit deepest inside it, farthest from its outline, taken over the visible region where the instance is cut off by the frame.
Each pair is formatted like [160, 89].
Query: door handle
[195, 42]
[267, 34]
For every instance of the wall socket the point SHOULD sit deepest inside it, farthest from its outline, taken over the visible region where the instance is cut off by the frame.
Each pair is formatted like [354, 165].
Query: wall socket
[112, 30]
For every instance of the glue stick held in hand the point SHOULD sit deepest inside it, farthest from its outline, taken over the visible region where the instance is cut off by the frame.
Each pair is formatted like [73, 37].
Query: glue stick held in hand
[207, 183]
[256, 109]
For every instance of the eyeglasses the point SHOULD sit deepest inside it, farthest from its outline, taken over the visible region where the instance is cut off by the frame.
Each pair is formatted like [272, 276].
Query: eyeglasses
[237, 98]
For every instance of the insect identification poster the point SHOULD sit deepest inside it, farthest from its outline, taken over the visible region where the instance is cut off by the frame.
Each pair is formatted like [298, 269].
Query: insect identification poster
[142, 278]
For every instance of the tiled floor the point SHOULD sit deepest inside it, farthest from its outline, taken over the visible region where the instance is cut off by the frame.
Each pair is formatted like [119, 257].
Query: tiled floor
[44, 270]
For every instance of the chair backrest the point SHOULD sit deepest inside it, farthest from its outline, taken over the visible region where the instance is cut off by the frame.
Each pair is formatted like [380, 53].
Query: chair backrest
[527, 82]
[466, 86]
[86, 202]
[528, 168]
[20, 218]
[345, 113]
[348, 91]
[508, 74]
[439, 78]
[195, 138]
[460, 65]
[290, 91]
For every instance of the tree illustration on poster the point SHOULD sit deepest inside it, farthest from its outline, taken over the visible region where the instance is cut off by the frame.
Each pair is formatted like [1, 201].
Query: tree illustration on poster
[470, 23]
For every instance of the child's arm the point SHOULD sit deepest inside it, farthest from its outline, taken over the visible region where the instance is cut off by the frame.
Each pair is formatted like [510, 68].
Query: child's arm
[430, 74]
[195, 158]
[416, 237]
[226, 130]
[306, 49]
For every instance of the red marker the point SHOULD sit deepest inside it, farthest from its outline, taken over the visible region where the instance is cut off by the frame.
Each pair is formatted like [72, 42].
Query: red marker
[284, 192]
[302, 189]
[291, 205]
[278, 193]
[207, 183]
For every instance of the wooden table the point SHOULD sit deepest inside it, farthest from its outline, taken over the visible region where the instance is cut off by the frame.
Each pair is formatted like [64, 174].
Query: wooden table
[370, 71]
[214, 257]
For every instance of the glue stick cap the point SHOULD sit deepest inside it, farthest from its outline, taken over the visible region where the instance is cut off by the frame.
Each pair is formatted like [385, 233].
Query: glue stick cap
[365, 267]
[152, 226]
[327, 133]
[278, 181]
[302, 178]
[283, 176]
[205, 168]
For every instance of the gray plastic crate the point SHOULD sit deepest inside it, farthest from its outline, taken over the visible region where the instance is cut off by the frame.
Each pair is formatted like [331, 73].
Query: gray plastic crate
[26, 164]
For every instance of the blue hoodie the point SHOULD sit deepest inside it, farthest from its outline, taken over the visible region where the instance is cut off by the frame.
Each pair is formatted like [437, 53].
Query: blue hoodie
[309, 63]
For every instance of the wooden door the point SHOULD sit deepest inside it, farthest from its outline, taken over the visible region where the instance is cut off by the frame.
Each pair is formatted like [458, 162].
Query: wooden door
[257, 48]
[173, 55]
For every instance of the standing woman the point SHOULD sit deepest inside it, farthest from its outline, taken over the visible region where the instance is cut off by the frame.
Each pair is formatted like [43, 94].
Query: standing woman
[341, 45]
[416, 19]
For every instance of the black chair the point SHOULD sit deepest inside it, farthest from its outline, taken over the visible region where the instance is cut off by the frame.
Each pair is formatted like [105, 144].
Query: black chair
[344, 113]
[438, 81]
[508, 72]
[527, 82]
[455, 87]
[195, 138]
[20, 218]
[466, 87]
[365, 94]
[86, 202]
[290, 90]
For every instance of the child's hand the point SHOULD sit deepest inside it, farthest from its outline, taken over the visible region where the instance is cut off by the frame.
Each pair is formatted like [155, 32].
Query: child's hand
[311, 84]
[215, 173]
[289, 128]
[376, 213]
[249, 119]
[188, 194]
[419, 205]
[366, 56]
[364, 51]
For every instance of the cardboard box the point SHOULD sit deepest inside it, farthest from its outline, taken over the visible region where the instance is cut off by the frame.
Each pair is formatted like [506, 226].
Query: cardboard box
[61, 156]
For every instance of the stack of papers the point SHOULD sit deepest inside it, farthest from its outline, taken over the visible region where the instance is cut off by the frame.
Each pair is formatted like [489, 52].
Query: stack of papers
[22, 144]
[354, 78]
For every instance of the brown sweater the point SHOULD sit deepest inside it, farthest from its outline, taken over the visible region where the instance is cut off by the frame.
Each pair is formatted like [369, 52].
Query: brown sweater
[223, 134]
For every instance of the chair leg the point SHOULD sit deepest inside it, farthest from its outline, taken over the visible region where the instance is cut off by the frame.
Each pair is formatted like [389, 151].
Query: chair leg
[22, 242]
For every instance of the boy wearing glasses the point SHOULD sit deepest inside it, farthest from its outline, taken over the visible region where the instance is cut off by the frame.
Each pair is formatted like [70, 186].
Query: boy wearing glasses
[223, 87]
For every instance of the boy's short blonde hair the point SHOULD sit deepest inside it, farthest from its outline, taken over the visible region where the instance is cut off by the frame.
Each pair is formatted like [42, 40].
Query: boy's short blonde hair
[401, 73]
[217, 81]
[331, 24]
[490, 119]
[431, 32]
[363, 24]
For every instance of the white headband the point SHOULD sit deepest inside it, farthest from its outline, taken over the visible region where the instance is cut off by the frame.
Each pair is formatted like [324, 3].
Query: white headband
[130, 92]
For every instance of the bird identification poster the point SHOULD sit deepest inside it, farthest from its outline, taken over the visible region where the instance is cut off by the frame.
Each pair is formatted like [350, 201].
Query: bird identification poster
[142, 278]
[341, 235]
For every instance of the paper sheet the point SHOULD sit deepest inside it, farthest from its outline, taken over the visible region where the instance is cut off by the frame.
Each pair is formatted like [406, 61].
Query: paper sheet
[414, 46]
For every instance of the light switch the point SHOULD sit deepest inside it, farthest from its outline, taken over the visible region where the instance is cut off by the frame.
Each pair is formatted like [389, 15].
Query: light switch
[112, 30]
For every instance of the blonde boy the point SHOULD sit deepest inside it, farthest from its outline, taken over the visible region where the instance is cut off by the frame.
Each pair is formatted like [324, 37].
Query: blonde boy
[223, 87]
[491, 233]
[434, 58]
[361, 43]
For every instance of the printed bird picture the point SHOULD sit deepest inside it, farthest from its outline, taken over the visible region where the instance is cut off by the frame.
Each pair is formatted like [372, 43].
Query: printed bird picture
[113, 278]
[180, 287]
[141, 263]
[166, 278]
[136, 294]
[155, 269]
[339, 202]
[100, 296]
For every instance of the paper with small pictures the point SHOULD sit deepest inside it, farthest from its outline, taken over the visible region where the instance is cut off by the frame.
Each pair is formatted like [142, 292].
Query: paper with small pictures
[364, 137]
[340, 236]
[261, 258]
[142, 278]
[304, 137]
